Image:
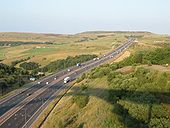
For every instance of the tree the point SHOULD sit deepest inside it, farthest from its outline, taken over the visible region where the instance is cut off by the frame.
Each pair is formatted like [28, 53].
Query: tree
[29, 65]
[138, 57]
[68, 62]
[3, 86]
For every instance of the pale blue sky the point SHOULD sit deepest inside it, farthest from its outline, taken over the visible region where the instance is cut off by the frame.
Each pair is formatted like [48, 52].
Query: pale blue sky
[73, 16]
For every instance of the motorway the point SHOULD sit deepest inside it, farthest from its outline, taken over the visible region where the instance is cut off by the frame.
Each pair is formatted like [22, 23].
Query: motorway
[21, 110]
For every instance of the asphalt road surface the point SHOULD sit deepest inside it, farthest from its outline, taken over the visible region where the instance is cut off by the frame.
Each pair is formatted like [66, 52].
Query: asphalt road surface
[27, 111]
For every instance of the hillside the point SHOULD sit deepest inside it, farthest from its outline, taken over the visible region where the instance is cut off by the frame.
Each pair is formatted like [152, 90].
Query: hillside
[118, 95]
[30, 53]
[44, 48]
[121, 103]
[131, 91]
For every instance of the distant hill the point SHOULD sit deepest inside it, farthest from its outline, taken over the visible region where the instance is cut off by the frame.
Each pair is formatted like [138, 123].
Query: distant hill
[20, 37]
[97, 32]
[33, 37]
[26, 37]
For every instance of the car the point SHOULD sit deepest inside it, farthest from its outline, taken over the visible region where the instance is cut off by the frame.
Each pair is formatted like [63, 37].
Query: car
[98, 58]
[28, 94]
[55, 78]
[78, 64]
[47, 83]
[68, 70]
[32, 79]
[166, 65]
[21, 91]
[39, 82]
[104, 55]
[94, 58]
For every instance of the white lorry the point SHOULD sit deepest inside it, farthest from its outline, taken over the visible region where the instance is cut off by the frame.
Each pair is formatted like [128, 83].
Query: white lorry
[66, 80]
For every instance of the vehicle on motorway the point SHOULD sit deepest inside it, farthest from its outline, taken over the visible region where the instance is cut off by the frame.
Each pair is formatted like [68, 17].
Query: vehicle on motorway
[47, 82]
[66, 80]
[32, 79]
[78, 64]
[21, 91]
[28, 94]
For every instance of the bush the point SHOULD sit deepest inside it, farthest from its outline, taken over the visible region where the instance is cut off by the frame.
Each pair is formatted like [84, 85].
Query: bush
[9, 74]
[99, 72]
[84, 87]
[81, 100]
[111, 76]
[135, 93]
[60, 124]
[159, 123]
[68, 62]
[13, 63]
[157, 56]
[29, 65]
[114, 67]
[78, 80]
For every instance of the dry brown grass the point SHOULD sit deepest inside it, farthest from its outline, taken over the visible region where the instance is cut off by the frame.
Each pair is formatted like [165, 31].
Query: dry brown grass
[158, 68]
[66, 45]
[123, 56]
[93, 115]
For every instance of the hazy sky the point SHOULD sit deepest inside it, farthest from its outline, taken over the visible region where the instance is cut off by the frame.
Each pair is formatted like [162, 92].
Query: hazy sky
[73, 16]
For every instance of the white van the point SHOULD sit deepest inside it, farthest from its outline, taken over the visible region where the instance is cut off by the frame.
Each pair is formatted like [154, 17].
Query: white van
[66, 80]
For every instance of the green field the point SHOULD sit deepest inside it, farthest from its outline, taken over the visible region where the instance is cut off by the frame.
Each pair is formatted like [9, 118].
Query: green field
[1, 55]
[63, 46]
[39, 50]
[70, 45]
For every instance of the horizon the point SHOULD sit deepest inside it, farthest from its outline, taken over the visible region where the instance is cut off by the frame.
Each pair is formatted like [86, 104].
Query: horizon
[100, 31]
[72, 17]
